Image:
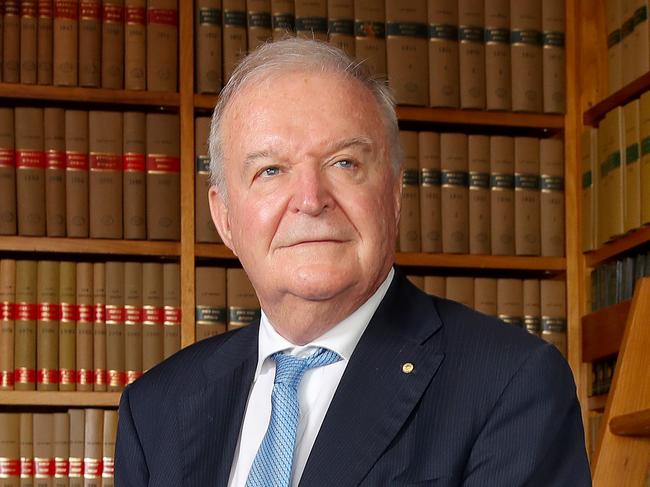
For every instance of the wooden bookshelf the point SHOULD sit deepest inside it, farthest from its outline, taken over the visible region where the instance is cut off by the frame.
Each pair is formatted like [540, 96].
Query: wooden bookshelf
[602, 331]
[626, 94]
[58, 398]
[89, 246]
[632, 424]
[618, 246]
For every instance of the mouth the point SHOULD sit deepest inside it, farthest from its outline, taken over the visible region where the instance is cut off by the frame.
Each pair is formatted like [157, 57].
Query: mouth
[316, 241]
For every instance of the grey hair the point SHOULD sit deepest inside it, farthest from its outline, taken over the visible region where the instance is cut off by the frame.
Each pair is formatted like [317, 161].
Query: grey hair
[303, 55]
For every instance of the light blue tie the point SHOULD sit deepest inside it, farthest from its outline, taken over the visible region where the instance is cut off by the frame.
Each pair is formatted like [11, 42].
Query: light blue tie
[272, 464]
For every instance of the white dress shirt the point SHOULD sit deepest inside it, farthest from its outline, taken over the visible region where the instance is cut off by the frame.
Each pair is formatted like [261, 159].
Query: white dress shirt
[315, 391]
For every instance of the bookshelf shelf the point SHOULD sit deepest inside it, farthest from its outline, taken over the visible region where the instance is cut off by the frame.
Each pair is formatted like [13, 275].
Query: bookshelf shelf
[59, 398]
[597, 403]
[89, 95]
[616, 247]
[629, 92]
[633, 424]
[89, 246]
[602, 331]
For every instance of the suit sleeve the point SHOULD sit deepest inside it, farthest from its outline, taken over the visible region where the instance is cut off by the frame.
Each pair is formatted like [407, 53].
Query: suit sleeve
[534, 435]
[130, 463]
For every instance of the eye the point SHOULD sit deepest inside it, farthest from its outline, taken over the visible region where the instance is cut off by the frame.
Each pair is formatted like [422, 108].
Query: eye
[268, 172]
[345, 163]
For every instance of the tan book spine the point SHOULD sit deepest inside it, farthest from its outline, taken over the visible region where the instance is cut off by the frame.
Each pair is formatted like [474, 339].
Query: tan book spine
[632, 202]
[603, 218]
[61, 448]
[551, 169]
[435, 285]
[628, 55]
[47, 326]
[99, 374]
[90, 43]
[133, 320]
[172, 303]
[67, 325]
[553, 56]
[644, 134]
[243, 306]
[11, 42]
[77, 434]
[134, 177]
[407, 51]
[444, 82]
[54, 145]
[153, 315]
[471, 58]
[112, 48]
[430, 191]
[7, 319]
[526, 55]
[409, 223]
[553, 307]
[93, 447]
[478, 150]
[108, 448]
[588, 164]
[135, 44]
[44, 466]
[27, 469]
[260, 29]
[460, 289]
[25, 326]
[510, 301]
[45, 42]
[455, 193]
[205, 229]
[283, 18]
[532, 309]
[641, 38]
[311, 19]
[527, 196]
[76, 173]
[502, 195]
[7, 173]
[208, 35]
[85, 327]
[30, 171]
[417, 281]
[105, 178]
[28, 41]
[66, 42]
[234, 35]
[116, 375]
[163, 177]
[370, 35]
[485, 295]
[498, 85]
[211, 316]
[340, 14]
[10, 449]
[162, 45]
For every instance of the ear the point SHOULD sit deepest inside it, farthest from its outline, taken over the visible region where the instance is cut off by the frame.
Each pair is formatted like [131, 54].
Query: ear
[397, 194]
[220, 217]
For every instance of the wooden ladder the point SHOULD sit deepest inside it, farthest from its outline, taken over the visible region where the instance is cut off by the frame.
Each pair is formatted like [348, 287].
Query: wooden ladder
[623, 451]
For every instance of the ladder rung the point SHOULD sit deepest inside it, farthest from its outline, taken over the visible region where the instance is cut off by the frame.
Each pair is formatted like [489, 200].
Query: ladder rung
[632, 424]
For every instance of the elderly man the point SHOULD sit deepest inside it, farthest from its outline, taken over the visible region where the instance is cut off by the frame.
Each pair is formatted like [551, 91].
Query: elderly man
[352, 376]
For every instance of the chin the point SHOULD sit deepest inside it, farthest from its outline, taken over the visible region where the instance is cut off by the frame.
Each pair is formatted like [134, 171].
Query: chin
[320, 282]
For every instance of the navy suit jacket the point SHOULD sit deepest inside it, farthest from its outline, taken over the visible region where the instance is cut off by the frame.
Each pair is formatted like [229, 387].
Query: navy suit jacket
[487, 404]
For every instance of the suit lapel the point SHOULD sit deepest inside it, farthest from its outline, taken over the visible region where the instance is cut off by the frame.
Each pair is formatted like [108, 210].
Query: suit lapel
[210, 418]
[377, 394]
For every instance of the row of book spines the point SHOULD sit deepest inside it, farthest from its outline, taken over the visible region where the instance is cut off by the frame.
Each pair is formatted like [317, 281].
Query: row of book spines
[78, 444]
[614, 282]
[595, 422]
[602, 374]
[113, 44]
[89, 173]
[66, 325]
[537, 305]
[478, 194]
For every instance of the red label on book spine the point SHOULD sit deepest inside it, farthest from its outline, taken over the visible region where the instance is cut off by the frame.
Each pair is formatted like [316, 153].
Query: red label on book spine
[172, 315]
[61, 467]
[160, 163]
[6, 378]
[90, 10]
[113, 13]
[45, 8]
[48, 312]
[85, 312]
[47, 376]
[108, 470]
[136, 15]
[99, 376]
[106, 162]
[114, 314]
[23, 375]
[85, 376]
[100, 313]
[67, 376]
[7, 158]
[92, 468]
[132, 315]
[55, 159]
[76, 468]
[12, 7]
[116, 378]
[28, 8]
[26, 467]
[162, 16]
[44, 467]
[134, 162]
[69, 312]
[7, 311]
[132, 375]
[26, 312]
[30, 159]
[65, 9]
[76, 160]
[9, 467]
[153, 315]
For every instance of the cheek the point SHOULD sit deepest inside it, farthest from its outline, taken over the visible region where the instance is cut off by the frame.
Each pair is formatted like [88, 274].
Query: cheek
[255, 222]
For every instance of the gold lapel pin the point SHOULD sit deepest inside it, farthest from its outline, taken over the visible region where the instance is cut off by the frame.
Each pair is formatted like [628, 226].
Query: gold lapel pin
[408, 367]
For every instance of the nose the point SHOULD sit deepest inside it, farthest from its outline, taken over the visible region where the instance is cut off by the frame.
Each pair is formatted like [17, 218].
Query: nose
[311, 192]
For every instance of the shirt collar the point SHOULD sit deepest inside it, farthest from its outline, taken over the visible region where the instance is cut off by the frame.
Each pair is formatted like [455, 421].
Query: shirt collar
[341, 338]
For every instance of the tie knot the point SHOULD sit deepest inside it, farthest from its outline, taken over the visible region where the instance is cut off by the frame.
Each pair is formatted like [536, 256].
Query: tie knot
[290, 369]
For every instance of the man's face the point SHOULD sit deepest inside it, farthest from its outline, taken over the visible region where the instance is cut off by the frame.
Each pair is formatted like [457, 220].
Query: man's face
[312, 202]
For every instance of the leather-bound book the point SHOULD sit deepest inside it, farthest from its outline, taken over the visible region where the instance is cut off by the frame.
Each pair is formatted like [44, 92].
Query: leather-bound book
[43, 424]
[485, 295]
[527, 197]
[66, 42]
[85, 324]
[430, 191]
[532, 310]
[93, 447]
[28, 41]
[11, 42]
[207, 36]
[162, 45]
[498, 86]
[99, 374]
[7, 318]
[47, 326]
[134, 177]
[172, 303]
[234, 35]
[210, 302]
[30, 171]
[116, 375]
[526, 55]
[26, 449]
[108, 447]
[588, 163]
[551, 169]
[632, 177]
[460, 289]
[132, 320]
[10, 449]
[370, 35]
[471, 58]
[7, 173]
[259, 28]
[112, 67]
[135, 44]
[553, 56]
[553, 306]
[25, 326]
[282, 18]
[61, 449]
[627, 42]
[76, 173]
[454, 196]
[77, 434]
[205, 229]
[435, 285]
[54, 145]
[90, 43]
[243, 306]
[67, 326]
[163, 177]
[45, 42]
[478, 151]
[105, 150]
[510, 301]
[311, 19]
[444, 81]
[153, 314]
[409, 223]
[340, 14]
[417, 281]
[502, 195]
[644, 135]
